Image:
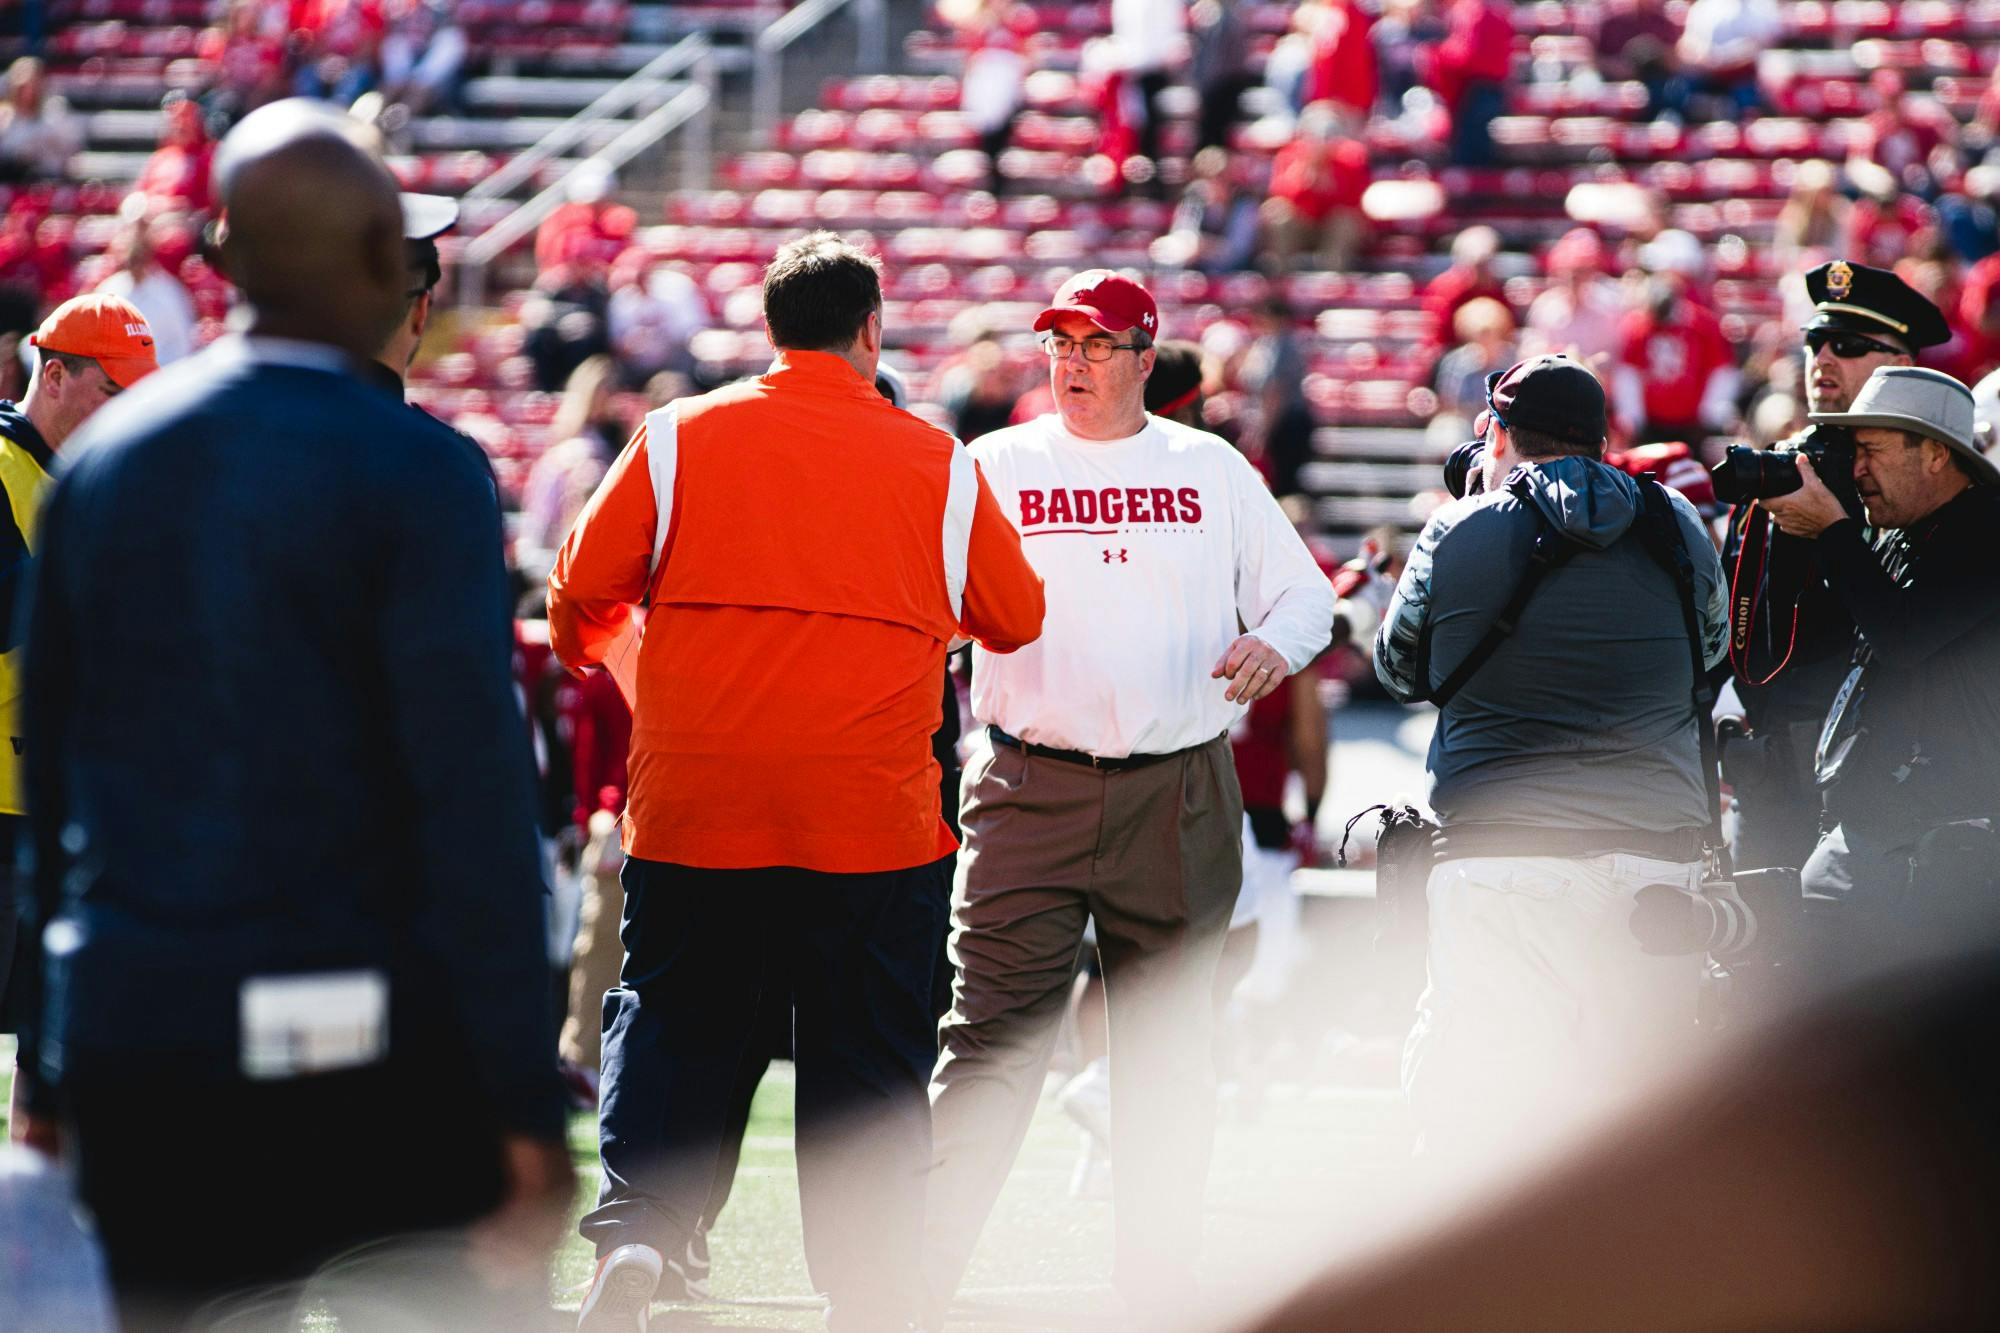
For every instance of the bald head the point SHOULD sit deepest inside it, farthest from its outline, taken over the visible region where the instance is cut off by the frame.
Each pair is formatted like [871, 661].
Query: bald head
[312, 227]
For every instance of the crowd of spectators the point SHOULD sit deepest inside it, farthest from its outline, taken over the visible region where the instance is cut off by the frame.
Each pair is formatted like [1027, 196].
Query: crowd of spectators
[1909, 185]
[413, 52]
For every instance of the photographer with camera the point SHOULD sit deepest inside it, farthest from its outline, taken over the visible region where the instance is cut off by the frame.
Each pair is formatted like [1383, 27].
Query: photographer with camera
[1909, 756]
[1790, 637]
[1563, 620]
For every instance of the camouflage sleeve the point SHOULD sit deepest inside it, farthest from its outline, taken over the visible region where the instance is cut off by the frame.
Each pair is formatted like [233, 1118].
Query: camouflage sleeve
[1402, 625]
[1715, 623]
[1708, 578]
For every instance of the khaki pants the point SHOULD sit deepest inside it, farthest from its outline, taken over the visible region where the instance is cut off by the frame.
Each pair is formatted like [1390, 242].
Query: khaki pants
[1154, 856]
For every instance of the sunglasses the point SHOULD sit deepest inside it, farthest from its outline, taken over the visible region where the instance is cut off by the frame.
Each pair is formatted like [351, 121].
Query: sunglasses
[1848, 346]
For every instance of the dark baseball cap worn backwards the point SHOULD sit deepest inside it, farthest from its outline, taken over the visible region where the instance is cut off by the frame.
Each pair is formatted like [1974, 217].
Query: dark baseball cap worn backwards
[1553, 395]
[1854, 298]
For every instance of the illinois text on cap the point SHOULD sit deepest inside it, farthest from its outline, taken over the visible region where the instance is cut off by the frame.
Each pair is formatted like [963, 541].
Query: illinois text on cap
[108, 330]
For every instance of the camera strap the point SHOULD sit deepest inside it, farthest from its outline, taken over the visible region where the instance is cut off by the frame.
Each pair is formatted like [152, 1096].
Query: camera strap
[1550, 551]
[1751, 605]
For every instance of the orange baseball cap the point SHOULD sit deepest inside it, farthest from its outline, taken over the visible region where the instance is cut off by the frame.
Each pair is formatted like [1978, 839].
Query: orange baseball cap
[108, 330]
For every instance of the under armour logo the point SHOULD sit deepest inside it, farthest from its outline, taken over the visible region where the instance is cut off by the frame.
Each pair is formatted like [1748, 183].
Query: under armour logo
[1118, 555]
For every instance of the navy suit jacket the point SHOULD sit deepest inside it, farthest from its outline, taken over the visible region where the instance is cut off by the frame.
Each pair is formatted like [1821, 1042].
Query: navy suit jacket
[272, 728]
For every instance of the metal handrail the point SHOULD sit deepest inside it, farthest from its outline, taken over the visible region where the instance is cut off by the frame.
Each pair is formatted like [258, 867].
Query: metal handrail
[693, 52]
[691, 102]
[768, 74]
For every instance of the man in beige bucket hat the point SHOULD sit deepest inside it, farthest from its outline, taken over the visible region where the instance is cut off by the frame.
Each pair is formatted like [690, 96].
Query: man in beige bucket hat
[1911, 746]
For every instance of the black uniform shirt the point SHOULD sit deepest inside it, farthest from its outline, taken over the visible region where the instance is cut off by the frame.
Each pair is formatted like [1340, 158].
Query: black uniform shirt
[1790, 639]
[1926, 602]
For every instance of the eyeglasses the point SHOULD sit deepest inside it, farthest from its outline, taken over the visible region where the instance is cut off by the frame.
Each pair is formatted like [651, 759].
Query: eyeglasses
[1094, 349]
[1848, 346]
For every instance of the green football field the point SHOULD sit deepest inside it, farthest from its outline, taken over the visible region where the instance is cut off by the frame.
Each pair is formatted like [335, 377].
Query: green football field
[1315, 1161]
[1310, 1173]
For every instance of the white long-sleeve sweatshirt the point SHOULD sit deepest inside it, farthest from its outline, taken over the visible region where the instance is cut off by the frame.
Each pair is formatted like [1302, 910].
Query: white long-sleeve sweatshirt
[1153, 549]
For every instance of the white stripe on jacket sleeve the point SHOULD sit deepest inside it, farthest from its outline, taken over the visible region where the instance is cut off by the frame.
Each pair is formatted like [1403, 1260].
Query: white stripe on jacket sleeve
[961, 499]
[663, 458]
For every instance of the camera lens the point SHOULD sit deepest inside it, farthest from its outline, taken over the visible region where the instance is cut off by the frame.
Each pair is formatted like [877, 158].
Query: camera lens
[1747, 474]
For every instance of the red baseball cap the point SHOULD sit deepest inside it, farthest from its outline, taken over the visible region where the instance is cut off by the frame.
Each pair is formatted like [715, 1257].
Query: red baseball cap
[108, 330]
[1109, 300]
[1580, 247]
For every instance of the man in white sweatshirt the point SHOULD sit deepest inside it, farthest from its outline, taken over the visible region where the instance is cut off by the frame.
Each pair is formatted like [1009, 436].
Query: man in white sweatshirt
[1108, 792]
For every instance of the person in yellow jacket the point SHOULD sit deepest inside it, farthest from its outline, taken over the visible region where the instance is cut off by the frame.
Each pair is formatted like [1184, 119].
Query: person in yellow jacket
[87, 351]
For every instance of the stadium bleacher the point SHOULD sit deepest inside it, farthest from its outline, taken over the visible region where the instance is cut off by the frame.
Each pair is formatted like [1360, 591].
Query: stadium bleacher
[891, 157]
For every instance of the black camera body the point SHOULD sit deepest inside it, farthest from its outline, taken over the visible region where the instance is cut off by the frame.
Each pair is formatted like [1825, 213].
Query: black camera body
[1462, 468]
[1747, 474]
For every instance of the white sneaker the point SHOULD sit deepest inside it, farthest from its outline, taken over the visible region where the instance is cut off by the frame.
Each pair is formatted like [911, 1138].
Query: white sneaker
[621, 1298]
[1087, 1100]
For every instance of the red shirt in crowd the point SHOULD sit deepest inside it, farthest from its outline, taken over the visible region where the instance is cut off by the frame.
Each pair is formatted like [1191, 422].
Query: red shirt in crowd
[1117, 133]
[1318, 177]
[592, 719]
[1880, 234]
[1343, 59]
[580, 233]
[1477, 48]
[177, 175]
[1978, 311]
[1675, 360]
[1449, 290]
[177, 172]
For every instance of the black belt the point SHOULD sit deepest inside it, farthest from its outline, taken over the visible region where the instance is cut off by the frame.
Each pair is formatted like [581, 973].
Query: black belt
[1078, 756]
[1464, 840]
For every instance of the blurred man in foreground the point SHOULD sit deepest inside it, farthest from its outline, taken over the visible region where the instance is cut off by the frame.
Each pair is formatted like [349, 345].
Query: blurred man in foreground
[1835, 1174]
[282, 802]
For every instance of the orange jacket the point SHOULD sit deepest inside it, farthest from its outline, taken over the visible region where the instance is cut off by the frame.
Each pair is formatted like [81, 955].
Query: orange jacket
[819, 549]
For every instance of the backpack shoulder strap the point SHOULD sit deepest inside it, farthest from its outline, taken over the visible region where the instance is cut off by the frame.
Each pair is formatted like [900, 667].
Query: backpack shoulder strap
[1550, 551]
[1660, 531]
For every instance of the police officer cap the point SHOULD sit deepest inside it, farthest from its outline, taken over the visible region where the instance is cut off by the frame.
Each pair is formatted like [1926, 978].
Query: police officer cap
[425, 218]
[1854, 298]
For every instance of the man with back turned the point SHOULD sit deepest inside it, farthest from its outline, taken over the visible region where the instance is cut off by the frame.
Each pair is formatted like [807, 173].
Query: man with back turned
[1566, 768]
[806, 551]
[281, 799]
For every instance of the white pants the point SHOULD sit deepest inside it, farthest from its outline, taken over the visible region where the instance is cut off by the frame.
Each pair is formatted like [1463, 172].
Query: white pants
[1269, 901]
[1541, 1007]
